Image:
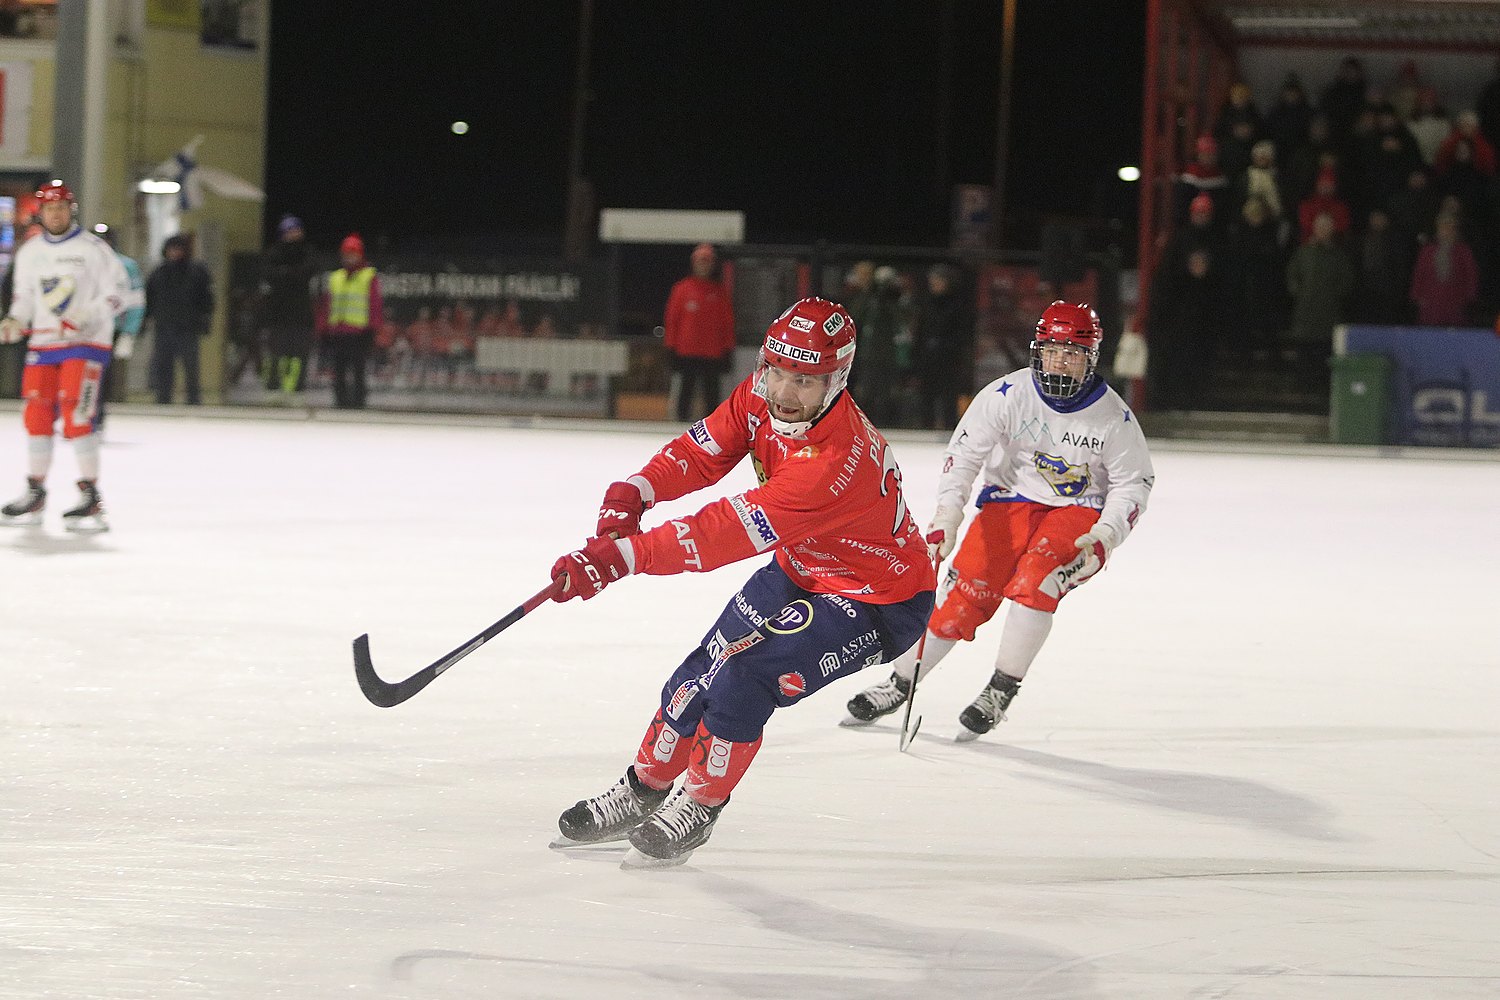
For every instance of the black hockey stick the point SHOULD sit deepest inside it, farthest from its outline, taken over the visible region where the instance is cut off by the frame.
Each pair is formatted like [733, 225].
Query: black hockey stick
[385, 695]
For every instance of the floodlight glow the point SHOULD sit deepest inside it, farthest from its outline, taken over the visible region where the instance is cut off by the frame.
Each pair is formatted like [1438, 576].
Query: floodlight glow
[1129, 174]
[460, 128]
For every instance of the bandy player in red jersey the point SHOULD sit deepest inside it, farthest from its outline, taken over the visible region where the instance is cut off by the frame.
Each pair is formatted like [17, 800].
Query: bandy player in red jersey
[851, 583]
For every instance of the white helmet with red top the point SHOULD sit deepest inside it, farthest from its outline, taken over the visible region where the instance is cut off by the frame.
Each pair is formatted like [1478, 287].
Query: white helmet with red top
[813, 337]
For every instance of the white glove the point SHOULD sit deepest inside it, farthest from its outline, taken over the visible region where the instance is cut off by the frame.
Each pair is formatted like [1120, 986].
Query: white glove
[942, 533]
[11, 331]
[1099, 541]
[125, 346]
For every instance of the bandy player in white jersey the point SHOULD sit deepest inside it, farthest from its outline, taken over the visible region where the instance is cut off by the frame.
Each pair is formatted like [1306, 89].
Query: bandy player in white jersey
[1065, 473]
[69, 286]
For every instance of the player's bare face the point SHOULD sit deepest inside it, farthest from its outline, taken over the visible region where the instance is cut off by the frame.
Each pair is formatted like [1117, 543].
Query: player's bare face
[57, 217]
[1065, 359]
[794, 396]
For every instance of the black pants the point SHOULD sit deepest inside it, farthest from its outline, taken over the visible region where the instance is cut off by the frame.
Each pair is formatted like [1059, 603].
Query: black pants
[171, 347]
[696, 372]
[349, 356]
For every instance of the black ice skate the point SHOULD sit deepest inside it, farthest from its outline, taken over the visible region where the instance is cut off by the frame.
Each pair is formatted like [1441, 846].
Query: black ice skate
[988, 709]
[89, 514]
[880, 700]
[26, 508]
[611, 815]
[672, 833]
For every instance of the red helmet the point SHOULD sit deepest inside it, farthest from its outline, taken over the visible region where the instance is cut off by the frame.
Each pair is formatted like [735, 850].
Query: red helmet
[1074, 326]
[813, 337]
[55, 190]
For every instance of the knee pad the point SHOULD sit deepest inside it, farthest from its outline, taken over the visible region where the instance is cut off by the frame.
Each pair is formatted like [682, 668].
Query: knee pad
[39, 416]
[960, 615]
[1032, 571]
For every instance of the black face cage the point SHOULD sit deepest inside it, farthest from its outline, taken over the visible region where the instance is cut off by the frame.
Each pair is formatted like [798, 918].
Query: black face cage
[1058, 386]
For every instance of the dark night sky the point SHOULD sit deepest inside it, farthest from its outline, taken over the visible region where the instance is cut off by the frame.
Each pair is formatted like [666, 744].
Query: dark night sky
[816, 123]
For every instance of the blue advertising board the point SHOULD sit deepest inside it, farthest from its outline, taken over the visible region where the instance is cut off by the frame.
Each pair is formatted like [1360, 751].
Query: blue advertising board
[1446, 389]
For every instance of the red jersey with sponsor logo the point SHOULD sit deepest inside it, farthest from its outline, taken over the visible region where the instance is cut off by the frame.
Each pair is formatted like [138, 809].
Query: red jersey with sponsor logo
[829, 503]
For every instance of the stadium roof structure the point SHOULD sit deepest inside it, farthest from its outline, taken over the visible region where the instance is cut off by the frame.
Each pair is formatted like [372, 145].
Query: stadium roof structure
[1407, 24]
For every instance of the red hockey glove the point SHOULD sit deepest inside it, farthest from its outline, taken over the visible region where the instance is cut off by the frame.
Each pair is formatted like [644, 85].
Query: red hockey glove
[587, 571]
[620, 513]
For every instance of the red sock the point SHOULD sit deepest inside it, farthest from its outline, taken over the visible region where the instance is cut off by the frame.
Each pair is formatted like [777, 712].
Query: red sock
[717, 766]
[663, 755]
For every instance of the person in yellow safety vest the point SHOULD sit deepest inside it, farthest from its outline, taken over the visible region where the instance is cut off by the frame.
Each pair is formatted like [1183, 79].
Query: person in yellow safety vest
[349, 313]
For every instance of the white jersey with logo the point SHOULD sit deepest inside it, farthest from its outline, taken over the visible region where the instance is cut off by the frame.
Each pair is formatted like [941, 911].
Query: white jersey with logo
[1089, 452]
[74, 276]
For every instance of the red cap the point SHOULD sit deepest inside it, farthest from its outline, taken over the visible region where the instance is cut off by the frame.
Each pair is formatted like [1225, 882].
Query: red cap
[352, 244]
[1201, 205]
[1207, 144]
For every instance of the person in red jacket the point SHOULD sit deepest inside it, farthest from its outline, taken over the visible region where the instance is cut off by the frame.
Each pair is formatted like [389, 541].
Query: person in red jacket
[851, 584]
[700, 332]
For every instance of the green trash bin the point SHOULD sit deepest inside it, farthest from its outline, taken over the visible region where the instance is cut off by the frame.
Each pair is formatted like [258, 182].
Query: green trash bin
[1360, 403]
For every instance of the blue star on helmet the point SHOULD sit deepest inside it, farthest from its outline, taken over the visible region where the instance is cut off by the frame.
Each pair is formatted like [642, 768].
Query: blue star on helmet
[1004, 388]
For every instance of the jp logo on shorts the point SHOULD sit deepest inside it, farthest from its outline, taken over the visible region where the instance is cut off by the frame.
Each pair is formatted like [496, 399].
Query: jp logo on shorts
[792, 684]
[791, 619]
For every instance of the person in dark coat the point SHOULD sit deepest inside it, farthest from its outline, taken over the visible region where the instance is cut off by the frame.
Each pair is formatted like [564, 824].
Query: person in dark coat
[944, 341]
[179, 305]
[288, 273]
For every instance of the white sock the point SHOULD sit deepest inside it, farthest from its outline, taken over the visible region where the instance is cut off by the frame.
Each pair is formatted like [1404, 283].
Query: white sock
[1025, 631]
[934, 651]
[86, 449]
[38, 455]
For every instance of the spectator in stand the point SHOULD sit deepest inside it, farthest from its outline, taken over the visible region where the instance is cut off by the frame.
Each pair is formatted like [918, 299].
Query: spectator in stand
[1382, 273]
[1184, 325]
[1391, 157]
[699, 333]
[1463, 179]
[287, 276]
[944, 339]
[1405, 94]
[1288, 124]
[1320, 278]
[1324, 201]
[349, 313]
[1200, 233]
[1237, 129]
[1301, 169]
[1430, 124]
[1201, 177]
[179, 304]
[1466, 131]
[1413, 211]
[1487, 107]
[1255, 281]
[1445, 282]
[1343, 98]
[1262, 180]
[884, 376]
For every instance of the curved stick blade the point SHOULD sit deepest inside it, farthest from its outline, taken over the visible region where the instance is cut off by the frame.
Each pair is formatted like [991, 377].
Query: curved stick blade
[378, 691]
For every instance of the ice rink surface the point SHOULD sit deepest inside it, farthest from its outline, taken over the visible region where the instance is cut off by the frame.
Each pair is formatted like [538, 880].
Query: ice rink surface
[1256, 760]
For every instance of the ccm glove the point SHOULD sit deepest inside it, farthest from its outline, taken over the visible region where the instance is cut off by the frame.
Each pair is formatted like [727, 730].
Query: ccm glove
[620, 513]
[942, 533]
[587, 571]
[124, 347]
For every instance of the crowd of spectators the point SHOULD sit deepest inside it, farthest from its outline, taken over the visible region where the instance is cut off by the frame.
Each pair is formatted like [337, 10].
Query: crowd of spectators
[1374, 203]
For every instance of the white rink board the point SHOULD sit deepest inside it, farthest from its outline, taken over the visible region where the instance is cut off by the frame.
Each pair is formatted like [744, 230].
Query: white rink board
[1256, 760]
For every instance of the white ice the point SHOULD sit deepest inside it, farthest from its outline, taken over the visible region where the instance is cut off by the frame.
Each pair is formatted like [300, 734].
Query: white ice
[1256, 760]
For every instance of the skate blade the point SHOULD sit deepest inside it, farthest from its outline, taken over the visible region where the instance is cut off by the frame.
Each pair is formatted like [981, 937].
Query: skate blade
[966, 736]
[850, 722]
[21, 520]
[562, 843]
[86, 525]
[636, 861]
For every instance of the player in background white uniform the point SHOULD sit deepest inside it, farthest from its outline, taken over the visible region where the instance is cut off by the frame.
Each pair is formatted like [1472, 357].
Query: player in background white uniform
[1065, 473]
[69, 286]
